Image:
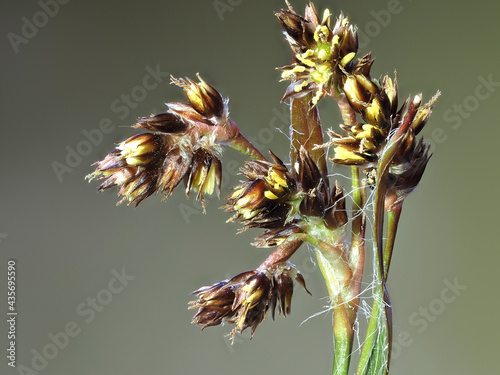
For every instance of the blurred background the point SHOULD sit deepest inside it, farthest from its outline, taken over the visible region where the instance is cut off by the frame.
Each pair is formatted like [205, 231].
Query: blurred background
[104, 289]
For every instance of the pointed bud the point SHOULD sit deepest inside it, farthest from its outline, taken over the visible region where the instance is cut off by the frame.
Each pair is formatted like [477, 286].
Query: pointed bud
[205, 173]
[406, 177]
[204, 98]
[164, 123]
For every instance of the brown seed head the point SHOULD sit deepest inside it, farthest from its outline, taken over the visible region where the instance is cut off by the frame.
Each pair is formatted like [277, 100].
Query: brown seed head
[245, 299]
[262, 201]
[134, 166]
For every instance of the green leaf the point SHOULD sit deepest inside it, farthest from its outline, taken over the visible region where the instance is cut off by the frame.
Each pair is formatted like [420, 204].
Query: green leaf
[379, 359]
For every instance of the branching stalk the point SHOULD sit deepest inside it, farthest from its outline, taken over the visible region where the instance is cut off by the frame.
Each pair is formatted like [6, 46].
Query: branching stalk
[243, 145]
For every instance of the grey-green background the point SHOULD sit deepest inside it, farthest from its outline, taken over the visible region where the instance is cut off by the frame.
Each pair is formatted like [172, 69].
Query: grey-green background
[67, 240]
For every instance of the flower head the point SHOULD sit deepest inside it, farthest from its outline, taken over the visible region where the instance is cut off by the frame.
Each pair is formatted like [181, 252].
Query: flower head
[245, 299]
[320, 52]
[274, 199]
[203, 98]
[184, 145]
[134, 166]
[405, 177]
[377, 105]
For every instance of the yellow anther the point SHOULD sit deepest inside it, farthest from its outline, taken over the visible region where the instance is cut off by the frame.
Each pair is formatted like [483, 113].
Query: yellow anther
[299, 69]
[277, 177]
[270, 195]
[343, 154]
[132, 160]
[373, 111]
[288, 73]
[237, 192]
[299, 87]
[304, 57]
[326, 17]
[347, 58]
[319, 94]
[335, 40]
[323, 68]
[367, 84]
[321, 33]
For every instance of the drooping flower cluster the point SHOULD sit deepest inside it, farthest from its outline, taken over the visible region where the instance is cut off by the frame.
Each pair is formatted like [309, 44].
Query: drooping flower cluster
[245, 299]
[184, 145]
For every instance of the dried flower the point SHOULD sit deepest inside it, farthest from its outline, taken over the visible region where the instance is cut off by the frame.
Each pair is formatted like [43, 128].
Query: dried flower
[286, 206]
[203, 98]
[335, 215]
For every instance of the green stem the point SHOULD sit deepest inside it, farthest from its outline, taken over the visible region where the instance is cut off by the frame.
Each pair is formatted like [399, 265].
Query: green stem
[344, 287]
[343, 313]
[381, 330]
[371, 332]
[343, 334]
[357, 254]
[243, 145]
[393, 216]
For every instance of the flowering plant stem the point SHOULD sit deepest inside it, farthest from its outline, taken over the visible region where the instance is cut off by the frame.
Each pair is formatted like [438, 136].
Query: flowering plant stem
[375, 354]
[343, 314]
[243, 145]
[299, 204]
[369, 352]
[342, 274]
